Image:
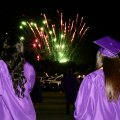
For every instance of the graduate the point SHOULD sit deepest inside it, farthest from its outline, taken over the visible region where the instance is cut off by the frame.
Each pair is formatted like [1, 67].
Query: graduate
[17, 78]
[98, 97]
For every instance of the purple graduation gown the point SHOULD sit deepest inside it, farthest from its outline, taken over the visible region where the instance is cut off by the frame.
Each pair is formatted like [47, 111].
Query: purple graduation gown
[12, 107]
[91, 102]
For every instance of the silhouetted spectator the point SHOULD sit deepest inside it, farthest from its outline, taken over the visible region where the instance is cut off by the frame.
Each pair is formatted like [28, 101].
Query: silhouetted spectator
[36, 94]
[70, 87]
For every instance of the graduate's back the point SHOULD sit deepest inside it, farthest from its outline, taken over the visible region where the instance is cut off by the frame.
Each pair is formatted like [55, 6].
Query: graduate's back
[99, 94]
[17, 78]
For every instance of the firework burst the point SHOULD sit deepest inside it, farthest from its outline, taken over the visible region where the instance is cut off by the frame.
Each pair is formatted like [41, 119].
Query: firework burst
[56, 41]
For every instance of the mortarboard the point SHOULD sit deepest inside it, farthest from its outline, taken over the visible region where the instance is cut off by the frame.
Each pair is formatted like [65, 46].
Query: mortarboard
[109, 46]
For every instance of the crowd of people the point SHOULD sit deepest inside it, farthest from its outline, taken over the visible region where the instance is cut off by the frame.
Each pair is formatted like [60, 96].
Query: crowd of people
[96, 98]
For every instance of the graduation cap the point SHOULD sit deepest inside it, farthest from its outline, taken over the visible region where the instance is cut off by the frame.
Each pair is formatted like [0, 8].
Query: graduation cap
[109, 46]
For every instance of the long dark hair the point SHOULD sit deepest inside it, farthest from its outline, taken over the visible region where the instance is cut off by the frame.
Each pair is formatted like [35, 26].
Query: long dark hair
[111, 68]
[12, 55]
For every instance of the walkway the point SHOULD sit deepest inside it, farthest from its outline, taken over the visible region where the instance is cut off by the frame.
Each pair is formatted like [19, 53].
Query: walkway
[53, 107]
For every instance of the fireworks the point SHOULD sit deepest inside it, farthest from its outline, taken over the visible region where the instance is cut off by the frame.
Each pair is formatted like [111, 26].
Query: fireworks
[57, 41]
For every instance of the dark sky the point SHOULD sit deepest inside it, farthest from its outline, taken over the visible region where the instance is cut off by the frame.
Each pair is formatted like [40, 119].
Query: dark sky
[103, 18]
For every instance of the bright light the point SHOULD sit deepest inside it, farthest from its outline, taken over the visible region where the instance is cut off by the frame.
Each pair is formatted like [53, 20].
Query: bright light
[58, 40]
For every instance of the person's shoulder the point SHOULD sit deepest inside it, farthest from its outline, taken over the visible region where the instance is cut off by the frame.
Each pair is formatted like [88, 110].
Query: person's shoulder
[29, 65]
[95, 73]
[3, 66]
[2, 63]
[95, 77]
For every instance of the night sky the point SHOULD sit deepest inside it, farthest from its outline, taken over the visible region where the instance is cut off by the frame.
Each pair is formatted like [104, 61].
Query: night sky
[102, 17]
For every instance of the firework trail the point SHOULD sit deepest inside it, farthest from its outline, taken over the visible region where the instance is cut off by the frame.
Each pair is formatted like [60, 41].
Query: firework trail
[54, 41]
